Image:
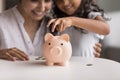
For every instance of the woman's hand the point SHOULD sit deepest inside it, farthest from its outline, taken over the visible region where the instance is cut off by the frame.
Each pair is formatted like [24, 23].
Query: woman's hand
[13, 54]
[98, 49]
[60, 23]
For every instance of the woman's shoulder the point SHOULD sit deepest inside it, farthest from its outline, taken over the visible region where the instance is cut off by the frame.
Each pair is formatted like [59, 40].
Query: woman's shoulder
[6, 14]
[7, 17]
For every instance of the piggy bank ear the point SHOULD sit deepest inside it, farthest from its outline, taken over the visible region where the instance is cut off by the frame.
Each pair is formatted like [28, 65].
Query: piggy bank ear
[48, 36]
[65, 37]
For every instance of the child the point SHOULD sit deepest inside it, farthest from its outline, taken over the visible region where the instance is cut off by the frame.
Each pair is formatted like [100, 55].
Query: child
[83, 20]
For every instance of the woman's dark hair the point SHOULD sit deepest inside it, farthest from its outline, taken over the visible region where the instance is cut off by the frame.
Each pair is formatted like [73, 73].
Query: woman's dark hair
[84, 9]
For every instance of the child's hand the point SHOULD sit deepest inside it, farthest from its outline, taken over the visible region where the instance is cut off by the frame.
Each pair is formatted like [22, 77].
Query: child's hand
[98, 49]
[60, 23]
[13, 54]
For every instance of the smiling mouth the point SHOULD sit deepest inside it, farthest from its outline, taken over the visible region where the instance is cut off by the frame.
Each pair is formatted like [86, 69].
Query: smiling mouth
[38, 13]
[68, 7]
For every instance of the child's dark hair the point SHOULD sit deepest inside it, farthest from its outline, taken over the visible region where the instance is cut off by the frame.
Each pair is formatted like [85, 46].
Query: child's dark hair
[84, 9]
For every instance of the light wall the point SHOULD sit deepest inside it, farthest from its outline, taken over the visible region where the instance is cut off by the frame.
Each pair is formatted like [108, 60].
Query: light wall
[112, 8]
[1, 5]
[109, 5]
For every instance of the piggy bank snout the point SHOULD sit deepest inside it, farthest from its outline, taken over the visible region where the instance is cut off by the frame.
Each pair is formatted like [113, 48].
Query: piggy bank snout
[56, 51]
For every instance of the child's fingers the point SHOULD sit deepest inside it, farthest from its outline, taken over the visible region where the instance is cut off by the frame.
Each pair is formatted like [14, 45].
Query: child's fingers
[97, 49]
[96, 54]
[50, 22]
[55, 24]
[98, 44]
[61, 26]
[64, 26]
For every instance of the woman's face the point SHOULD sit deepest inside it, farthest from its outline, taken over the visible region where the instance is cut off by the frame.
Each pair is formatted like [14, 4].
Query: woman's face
[34, 9]
[68, 6]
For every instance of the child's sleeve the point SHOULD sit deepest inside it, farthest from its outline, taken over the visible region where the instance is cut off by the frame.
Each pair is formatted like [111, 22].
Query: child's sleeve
[93, 15]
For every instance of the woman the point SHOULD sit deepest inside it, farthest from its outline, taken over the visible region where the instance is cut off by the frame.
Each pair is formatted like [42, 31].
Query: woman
[22, 28]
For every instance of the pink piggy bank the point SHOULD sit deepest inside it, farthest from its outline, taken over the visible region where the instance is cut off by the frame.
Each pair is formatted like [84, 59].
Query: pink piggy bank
[57, 49]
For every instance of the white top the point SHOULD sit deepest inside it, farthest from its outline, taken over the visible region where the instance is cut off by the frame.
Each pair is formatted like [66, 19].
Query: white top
[13, 33]
[82, 43]
[78, 69]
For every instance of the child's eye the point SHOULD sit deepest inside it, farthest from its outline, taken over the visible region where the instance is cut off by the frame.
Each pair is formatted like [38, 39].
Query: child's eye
[48, 0]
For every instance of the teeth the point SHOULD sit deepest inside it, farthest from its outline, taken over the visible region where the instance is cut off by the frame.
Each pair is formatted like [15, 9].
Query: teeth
[38, 13]
[68, 7]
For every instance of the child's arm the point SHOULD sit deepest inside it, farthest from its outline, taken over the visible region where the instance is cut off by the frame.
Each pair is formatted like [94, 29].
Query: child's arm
[98, 25]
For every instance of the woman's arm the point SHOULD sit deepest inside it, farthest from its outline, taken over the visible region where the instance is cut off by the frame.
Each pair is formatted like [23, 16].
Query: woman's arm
[13, 54]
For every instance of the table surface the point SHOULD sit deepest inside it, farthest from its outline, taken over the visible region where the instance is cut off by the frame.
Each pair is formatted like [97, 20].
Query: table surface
[78, 69]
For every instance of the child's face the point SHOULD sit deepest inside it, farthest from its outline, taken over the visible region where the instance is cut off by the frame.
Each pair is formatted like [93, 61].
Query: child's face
[34, 9]
[68, 6]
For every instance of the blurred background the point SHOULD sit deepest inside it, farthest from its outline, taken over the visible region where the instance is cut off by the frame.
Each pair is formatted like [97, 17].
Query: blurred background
[111, 43]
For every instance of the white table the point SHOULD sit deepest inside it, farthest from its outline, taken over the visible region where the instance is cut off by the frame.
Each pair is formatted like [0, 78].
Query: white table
[78, 69]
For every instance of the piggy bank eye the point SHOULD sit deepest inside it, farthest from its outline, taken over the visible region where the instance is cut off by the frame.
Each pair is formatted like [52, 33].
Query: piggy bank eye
[61, 44]
[49, 43]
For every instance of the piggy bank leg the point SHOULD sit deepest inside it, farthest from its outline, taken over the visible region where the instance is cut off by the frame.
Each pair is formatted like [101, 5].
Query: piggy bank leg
[63, 63]
[49, 63]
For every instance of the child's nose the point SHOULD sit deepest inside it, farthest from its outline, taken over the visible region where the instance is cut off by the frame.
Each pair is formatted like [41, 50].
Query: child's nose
[65, 2]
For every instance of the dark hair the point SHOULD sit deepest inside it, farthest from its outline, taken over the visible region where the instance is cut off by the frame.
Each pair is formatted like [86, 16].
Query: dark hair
[84, 9]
